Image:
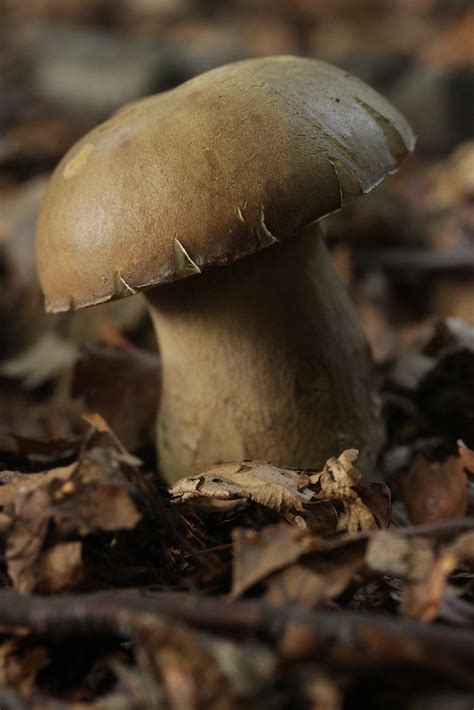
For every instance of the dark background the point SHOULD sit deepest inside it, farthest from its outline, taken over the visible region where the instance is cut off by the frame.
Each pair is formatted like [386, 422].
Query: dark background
[404, 252]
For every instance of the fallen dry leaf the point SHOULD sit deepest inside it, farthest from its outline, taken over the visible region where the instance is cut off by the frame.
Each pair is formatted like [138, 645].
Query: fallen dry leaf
[408, 558]
[338, 481]
[282, 490]
[21, 483]
[26, 537]
[60, 568]
[435, 491]
[123, 386]
[305, 587]
[421, 565]
[183, 664]
[328, 501]
[423, 599]
[322, 626]
[259, 554]
[20, 663]
[77, 500]
[296, 585]
[97, 496]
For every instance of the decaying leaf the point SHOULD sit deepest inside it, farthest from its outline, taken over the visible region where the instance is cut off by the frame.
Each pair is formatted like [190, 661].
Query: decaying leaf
[26, 537]
[181, 666]
[257, 555]
[17, 484]
[293, 493]
[122, 385]
[435, 491]
[294, 565]
[20, 663]
[77, 500]
[399, 556]
[60, 568]
[423, 600]
[326, 579]
[340, 481]
[282, 490]
[306, 587]
[97, 496]
[421, 564]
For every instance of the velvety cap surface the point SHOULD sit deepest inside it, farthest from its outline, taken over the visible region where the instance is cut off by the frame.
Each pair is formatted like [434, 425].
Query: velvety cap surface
[229, 162]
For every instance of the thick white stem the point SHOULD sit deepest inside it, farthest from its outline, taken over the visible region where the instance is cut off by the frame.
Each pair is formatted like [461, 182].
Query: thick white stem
[263, 359]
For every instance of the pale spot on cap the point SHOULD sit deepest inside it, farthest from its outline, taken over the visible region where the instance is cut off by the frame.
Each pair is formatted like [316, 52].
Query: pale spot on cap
[75, 165]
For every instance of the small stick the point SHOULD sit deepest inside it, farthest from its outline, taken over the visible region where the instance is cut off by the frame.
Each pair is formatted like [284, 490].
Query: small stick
[349, 639]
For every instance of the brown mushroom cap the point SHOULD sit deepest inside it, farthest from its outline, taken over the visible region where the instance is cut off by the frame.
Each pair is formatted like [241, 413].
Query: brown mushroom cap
[225, 164]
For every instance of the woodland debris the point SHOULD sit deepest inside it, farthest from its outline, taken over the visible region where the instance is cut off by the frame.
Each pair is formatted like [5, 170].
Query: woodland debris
[42, 511]
[221, 601]
[435, 491]
[123, 386]
[297, 494]
[384, 640]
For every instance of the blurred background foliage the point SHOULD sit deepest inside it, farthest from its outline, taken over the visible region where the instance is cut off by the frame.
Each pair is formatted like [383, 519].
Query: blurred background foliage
[404, 252]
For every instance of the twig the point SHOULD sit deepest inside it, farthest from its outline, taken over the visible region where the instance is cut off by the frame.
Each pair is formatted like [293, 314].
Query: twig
[343, 639]
[410, 260]
[439, 527]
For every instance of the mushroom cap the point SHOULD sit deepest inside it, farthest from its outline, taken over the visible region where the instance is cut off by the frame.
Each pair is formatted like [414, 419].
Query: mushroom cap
[221, 166]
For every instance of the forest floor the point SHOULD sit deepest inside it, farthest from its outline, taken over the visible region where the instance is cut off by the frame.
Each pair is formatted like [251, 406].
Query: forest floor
[246, 585]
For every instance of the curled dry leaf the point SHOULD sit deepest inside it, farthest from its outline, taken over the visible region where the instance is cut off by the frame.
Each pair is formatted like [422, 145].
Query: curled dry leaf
[301, 497]
[340, 481]
[281, 490]
[73, 501]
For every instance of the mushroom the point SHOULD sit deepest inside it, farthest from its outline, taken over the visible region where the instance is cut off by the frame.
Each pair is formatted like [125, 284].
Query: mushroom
[263, 358]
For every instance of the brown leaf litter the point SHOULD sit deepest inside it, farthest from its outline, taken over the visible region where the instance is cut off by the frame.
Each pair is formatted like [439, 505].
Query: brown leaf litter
[41, 512]
[300, 496]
